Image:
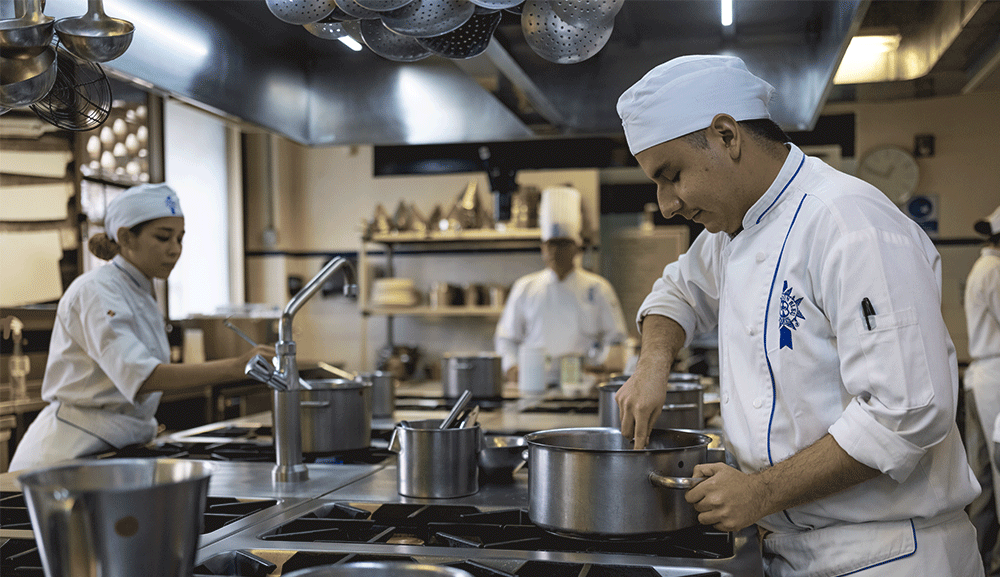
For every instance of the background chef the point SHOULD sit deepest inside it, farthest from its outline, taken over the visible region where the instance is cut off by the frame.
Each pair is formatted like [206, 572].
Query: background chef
[563, 309]
[109, 360]
[837, 374]
[982, 383]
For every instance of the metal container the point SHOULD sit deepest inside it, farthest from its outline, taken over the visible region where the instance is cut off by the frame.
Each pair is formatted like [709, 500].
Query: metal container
[436, 463]
[122, 517]
[481, 373]
[590, 482]
[684, 407]
[501, 455]
[381, 569]
[336, 415]
[383, 392]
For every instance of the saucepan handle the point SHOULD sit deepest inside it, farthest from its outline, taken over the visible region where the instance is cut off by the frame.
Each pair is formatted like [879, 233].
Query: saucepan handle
[665, 482]
[394, 442]
[314, 404]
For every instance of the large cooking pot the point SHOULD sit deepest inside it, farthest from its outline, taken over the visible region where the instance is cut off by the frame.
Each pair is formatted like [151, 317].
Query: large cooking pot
[383, 392]
[479, 373]
[590, 482]
[436, 463]
[683, 408]
[336, 415]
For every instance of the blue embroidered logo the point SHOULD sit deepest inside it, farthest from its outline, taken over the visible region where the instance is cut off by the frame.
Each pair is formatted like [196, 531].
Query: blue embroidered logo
[790, 315]
[171, 204]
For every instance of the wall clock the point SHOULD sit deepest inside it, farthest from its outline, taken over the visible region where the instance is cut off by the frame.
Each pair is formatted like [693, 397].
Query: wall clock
[892, 170]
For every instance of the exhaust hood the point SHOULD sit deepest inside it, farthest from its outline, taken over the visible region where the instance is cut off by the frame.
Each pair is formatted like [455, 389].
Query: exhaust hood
[234, 58]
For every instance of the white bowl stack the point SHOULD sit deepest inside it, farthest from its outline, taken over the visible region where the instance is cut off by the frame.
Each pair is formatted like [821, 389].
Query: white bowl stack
[394, 292]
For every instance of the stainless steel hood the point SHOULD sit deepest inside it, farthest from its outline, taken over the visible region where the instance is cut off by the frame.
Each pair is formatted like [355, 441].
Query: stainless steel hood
[233, 57]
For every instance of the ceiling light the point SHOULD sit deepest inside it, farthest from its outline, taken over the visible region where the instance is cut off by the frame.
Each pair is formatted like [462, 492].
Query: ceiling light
[351, 43]
[870, 58]
[727, 12]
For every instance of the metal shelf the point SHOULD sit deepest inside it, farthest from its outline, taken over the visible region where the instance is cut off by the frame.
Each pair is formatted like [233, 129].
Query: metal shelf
[426, 311]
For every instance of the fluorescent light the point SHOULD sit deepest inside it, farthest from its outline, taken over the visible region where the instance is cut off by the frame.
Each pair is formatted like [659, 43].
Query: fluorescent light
[351, 43]
[869, 59]
[727, 12]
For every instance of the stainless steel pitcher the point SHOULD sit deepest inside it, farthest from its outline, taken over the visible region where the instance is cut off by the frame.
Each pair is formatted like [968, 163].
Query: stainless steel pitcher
[121, 517]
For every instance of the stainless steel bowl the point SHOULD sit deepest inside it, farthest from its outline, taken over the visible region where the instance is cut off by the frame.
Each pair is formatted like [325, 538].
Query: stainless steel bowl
[501, 454]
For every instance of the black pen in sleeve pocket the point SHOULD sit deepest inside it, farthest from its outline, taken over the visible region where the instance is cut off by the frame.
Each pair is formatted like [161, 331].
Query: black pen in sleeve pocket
[868, 311]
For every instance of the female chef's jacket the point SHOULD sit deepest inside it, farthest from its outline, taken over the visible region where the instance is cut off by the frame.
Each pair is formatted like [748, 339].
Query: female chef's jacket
[799, 358]
[579, 315]
[108, 337]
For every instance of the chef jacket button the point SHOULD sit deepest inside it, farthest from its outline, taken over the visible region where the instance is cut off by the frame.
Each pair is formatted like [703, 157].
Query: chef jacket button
[757, 403]
[751, 331]
[725, 398]
[761, 257]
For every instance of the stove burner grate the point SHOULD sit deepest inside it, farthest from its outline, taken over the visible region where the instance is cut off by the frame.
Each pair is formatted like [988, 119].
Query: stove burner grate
[464, 526]
[244, 452]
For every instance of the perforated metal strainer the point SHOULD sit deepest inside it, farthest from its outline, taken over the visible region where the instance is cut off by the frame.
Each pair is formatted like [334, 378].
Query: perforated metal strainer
[390, 45]
[300, 11]
[586, 13]
[468, 40]
[425, 18]
[555, 40]
[496, 4]
[383, 5]
[355, 10]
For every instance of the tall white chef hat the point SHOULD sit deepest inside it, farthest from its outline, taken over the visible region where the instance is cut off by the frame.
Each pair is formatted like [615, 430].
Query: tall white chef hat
[684, 95]
[559, 215]
[989, 225]
[140, 204]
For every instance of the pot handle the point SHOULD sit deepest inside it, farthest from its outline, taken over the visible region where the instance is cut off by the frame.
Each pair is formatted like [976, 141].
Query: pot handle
[314, 404]
[664, 482]
[394, 442]
[680, 407]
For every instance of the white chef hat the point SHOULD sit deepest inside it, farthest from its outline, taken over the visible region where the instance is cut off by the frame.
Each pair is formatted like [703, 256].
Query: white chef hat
[140, 204]
[989, 225]
[559, 215]
[684, 95]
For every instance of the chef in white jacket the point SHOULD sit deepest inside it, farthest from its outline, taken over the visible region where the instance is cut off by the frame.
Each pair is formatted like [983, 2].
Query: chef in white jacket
[982, 377]
[109, 360]
[838, 378]
[562, 309]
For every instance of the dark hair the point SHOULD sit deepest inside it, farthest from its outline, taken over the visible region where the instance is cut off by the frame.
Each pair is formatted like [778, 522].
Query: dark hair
[761, 129]
[103, 247]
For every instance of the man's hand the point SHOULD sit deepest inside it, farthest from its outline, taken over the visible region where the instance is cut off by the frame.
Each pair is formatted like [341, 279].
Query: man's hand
[727, 499]
[640, 402]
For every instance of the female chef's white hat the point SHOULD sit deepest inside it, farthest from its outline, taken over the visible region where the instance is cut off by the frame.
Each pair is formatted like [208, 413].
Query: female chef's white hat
[140, 204]
[684, 95]
[989, 225]
[559, 214]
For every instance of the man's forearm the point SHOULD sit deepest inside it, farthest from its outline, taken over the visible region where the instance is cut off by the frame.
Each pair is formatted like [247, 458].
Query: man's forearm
[819, 470]
[662, 338]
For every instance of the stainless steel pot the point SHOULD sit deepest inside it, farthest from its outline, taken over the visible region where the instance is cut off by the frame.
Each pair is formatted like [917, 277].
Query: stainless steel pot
[383, 392]
[479, 373]
[336, 415]
[589, 481]
[684, 407]
[436, 463]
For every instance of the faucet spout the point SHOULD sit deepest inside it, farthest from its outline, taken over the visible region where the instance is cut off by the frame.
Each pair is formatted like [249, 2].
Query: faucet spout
[287, 409]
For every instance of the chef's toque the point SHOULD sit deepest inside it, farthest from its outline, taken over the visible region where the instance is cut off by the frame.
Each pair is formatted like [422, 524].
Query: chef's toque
[140, 204]
[559, 215]
[683, 95]
[989, 225]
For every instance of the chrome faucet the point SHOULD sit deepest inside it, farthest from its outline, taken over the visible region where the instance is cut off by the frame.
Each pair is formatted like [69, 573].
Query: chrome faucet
[286, 415]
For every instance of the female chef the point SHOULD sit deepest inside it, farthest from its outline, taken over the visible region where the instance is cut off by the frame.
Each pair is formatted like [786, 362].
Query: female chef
[109, 360]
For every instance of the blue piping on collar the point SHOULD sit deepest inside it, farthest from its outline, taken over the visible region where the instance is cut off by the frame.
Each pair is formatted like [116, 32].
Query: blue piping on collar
[783, 189]
[128, 274]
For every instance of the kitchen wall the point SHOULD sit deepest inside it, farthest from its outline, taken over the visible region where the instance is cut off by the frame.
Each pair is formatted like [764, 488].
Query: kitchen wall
[325, 194]
[323, 199]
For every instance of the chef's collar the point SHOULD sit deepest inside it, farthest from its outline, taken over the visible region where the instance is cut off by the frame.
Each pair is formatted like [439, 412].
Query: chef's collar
[141, 281]
[554, 277]
[778, 191]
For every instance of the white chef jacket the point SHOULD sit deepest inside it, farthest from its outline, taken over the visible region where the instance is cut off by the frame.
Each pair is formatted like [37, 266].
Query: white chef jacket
[108, 337]
[579, 315]
[798, 361]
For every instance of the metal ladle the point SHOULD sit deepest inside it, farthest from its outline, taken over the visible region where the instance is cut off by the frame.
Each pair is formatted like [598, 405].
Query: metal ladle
[456, 410]
[28, 34]
[305, 384]
[24, 81]
[95, 36]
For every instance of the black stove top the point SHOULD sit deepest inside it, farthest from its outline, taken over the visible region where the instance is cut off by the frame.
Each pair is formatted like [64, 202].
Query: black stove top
[466, 526]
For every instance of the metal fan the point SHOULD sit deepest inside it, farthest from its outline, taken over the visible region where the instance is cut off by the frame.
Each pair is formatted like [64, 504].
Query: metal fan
[80, 99]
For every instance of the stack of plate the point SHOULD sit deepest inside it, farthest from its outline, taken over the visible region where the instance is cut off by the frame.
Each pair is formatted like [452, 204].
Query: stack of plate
[394, 292]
